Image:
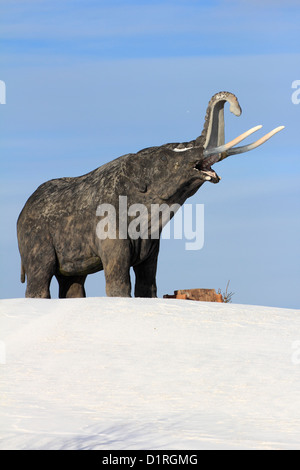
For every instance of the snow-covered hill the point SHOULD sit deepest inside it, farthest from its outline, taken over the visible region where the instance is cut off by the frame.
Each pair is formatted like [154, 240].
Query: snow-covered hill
[108, 373]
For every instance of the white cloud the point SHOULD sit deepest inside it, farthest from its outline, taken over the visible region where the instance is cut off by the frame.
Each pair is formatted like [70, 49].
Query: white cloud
[56, 20]
[264, 3]
[70, 20]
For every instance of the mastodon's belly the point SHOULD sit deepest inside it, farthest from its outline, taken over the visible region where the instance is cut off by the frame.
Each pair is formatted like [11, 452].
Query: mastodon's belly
[74, 244]
[79, 266]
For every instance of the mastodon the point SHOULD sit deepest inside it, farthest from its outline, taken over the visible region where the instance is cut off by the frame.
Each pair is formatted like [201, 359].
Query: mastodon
[57, 228]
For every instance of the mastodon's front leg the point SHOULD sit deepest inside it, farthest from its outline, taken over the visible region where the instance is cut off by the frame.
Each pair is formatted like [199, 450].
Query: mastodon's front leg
[145, 274]
[115, 257]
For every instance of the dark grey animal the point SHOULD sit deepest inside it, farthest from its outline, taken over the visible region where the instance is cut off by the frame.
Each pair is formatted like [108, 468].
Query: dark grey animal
[57, 228]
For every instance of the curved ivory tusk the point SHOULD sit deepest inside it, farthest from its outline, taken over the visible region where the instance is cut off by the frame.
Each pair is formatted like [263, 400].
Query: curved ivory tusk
[246, 148]
[182, 150]
[223, 148]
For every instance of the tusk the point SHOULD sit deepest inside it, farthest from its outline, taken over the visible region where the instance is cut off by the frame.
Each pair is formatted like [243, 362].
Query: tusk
[237, 140]
[181, 150]
[246, 148]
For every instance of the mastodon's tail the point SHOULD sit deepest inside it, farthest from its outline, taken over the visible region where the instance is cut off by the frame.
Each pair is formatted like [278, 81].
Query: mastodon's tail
[22, 273]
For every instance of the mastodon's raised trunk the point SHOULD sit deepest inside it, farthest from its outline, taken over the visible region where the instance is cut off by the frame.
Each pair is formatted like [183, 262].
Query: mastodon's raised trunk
[212, 139]
[213, 133]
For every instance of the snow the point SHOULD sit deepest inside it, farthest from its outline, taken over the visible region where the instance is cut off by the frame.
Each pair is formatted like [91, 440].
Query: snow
[112, 373]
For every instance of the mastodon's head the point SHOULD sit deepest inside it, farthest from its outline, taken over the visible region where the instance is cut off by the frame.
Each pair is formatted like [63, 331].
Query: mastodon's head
[174, 172]
[212, 139]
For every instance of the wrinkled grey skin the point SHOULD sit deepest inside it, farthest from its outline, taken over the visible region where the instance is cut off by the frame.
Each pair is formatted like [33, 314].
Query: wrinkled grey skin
[57, 226]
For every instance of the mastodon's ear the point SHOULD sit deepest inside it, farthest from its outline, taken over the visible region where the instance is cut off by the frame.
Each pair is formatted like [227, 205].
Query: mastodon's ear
[140, 184]
[134, 175]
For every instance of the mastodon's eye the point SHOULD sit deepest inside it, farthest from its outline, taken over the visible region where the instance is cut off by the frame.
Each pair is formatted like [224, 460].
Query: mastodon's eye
[163, 158]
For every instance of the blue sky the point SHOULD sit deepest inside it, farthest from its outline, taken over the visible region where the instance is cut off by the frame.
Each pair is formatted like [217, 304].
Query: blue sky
[88, 81]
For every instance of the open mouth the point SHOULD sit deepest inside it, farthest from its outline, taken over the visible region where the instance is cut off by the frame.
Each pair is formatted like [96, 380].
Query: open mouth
[206, 172]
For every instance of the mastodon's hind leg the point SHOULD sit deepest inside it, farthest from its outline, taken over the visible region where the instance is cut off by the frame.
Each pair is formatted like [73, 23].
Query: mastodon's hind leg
[71, 286]
[40, 268]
